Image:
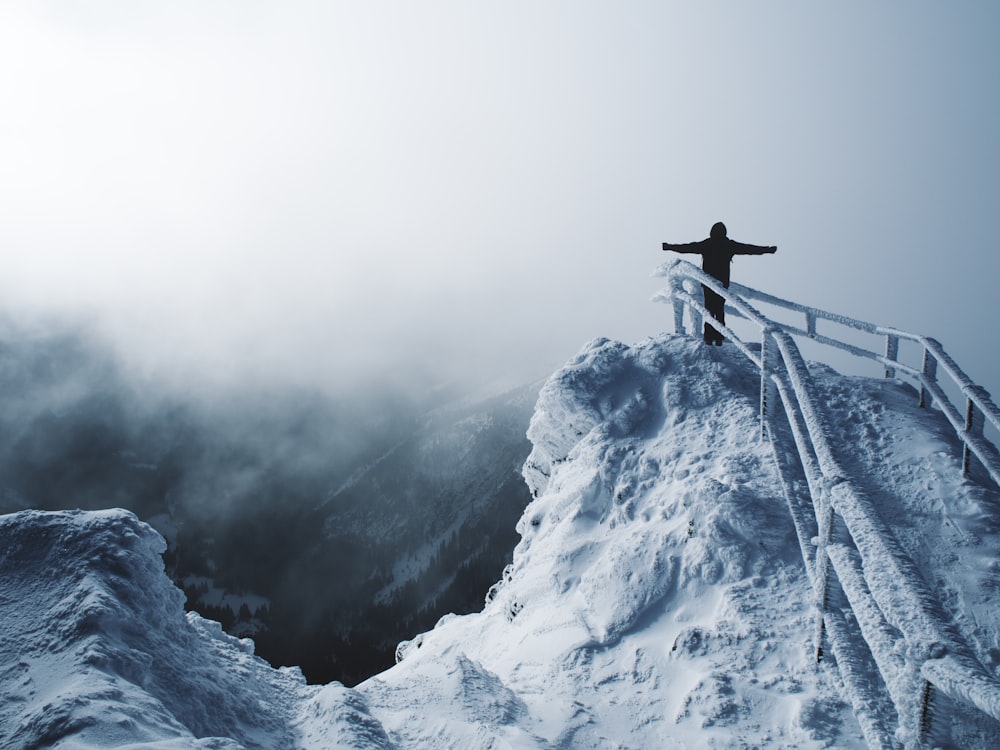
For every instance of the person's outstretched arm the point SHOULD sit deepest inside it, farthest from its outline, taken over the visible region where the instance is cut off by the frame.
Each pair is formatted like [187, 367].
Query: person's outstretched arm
[685, 247]
[742, 248]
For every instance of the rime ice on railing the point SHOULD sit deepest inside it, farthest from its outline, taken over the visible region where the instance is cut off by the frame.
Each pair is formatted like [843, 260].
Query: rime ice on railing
[885, 594]
[968, 419]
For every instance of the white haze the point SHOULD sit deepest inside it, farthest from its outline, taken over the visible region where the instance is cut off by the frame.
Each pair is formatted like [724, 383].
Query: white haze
[314, 192]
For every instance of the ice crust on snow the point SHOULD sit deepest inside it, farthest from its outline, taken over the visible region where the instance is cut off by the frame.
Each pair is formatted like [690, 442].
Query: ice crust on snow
[657, 598]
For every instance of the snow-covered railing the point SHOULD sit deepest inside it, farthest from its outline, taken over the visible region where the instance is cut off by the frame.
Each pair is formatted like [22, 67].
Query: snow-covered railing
[968, 423]
[884, 592]
[968, 419]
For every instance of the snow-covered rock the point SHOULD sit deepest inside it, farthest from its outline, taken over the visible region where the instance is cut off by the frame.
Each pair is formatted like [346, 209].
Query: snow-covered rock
[96, 650]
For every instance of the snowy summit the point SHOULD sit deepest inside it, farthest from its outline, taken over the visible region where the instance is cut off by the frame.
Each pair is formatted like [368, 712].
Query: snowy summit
[657, 599]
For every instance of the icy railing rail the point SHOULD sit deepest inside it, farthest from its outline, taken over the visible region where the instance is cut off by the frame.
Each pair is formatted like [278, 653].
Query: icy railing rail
[978, 405]
[912, 645]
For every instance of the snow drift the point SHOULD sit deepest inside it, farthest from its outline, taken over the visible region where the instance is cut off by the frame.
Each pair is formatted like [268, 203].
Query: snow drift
[657, 597]
[96, 650]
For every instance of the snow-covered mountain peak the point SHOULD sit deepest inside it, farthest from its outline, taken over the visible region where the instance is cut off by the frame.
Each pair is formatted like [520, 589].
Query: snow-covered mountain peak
[657, 597]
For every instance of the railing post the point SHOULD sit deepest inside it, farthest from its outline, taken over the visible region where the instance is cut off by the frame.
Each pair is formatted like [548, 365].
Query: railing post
[926, 712]
[811, 324]
[678, 316]
[697, 319]
[768, 390]
[930, 372]
[822, 568]
[676, 286]
[975, 422]
[891, 353]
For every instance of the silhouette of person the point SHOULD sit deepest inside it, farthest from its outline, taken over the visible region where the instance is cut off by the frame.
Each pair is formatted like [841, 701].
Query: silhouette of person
[717, 253]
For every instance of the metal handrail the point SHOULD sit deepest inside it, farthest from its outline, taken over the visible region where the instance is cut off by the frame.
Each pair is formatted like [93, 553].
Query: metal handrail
[882, 587]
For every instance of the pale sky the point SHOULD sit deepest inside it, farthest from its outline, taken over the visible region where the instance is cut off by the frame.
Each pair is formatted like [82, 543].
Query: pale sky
[327, 192]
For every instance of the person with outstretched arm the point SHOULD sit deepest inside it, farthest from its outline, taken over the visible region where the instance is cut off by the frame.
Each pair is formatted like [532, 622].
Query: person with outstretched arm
[717, 253]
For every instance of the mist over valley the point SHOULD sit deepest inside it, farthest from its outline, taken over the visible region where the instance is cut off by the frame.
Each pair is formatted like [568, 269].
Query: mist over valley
[327, 526]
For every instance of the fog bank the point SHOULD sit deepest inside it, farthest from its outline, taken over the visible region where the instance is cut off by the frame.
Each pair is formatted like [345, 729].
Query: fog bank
[327, 194]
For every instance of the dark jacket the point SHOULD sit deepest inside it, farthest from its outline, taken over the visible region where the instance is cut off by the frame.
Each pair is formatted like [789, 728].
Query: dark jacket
[717, 253]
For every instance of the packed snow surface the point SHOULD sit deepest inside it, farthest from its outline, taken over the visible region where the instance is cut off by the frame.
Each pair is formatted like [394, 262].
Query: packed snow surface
[657, 598]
